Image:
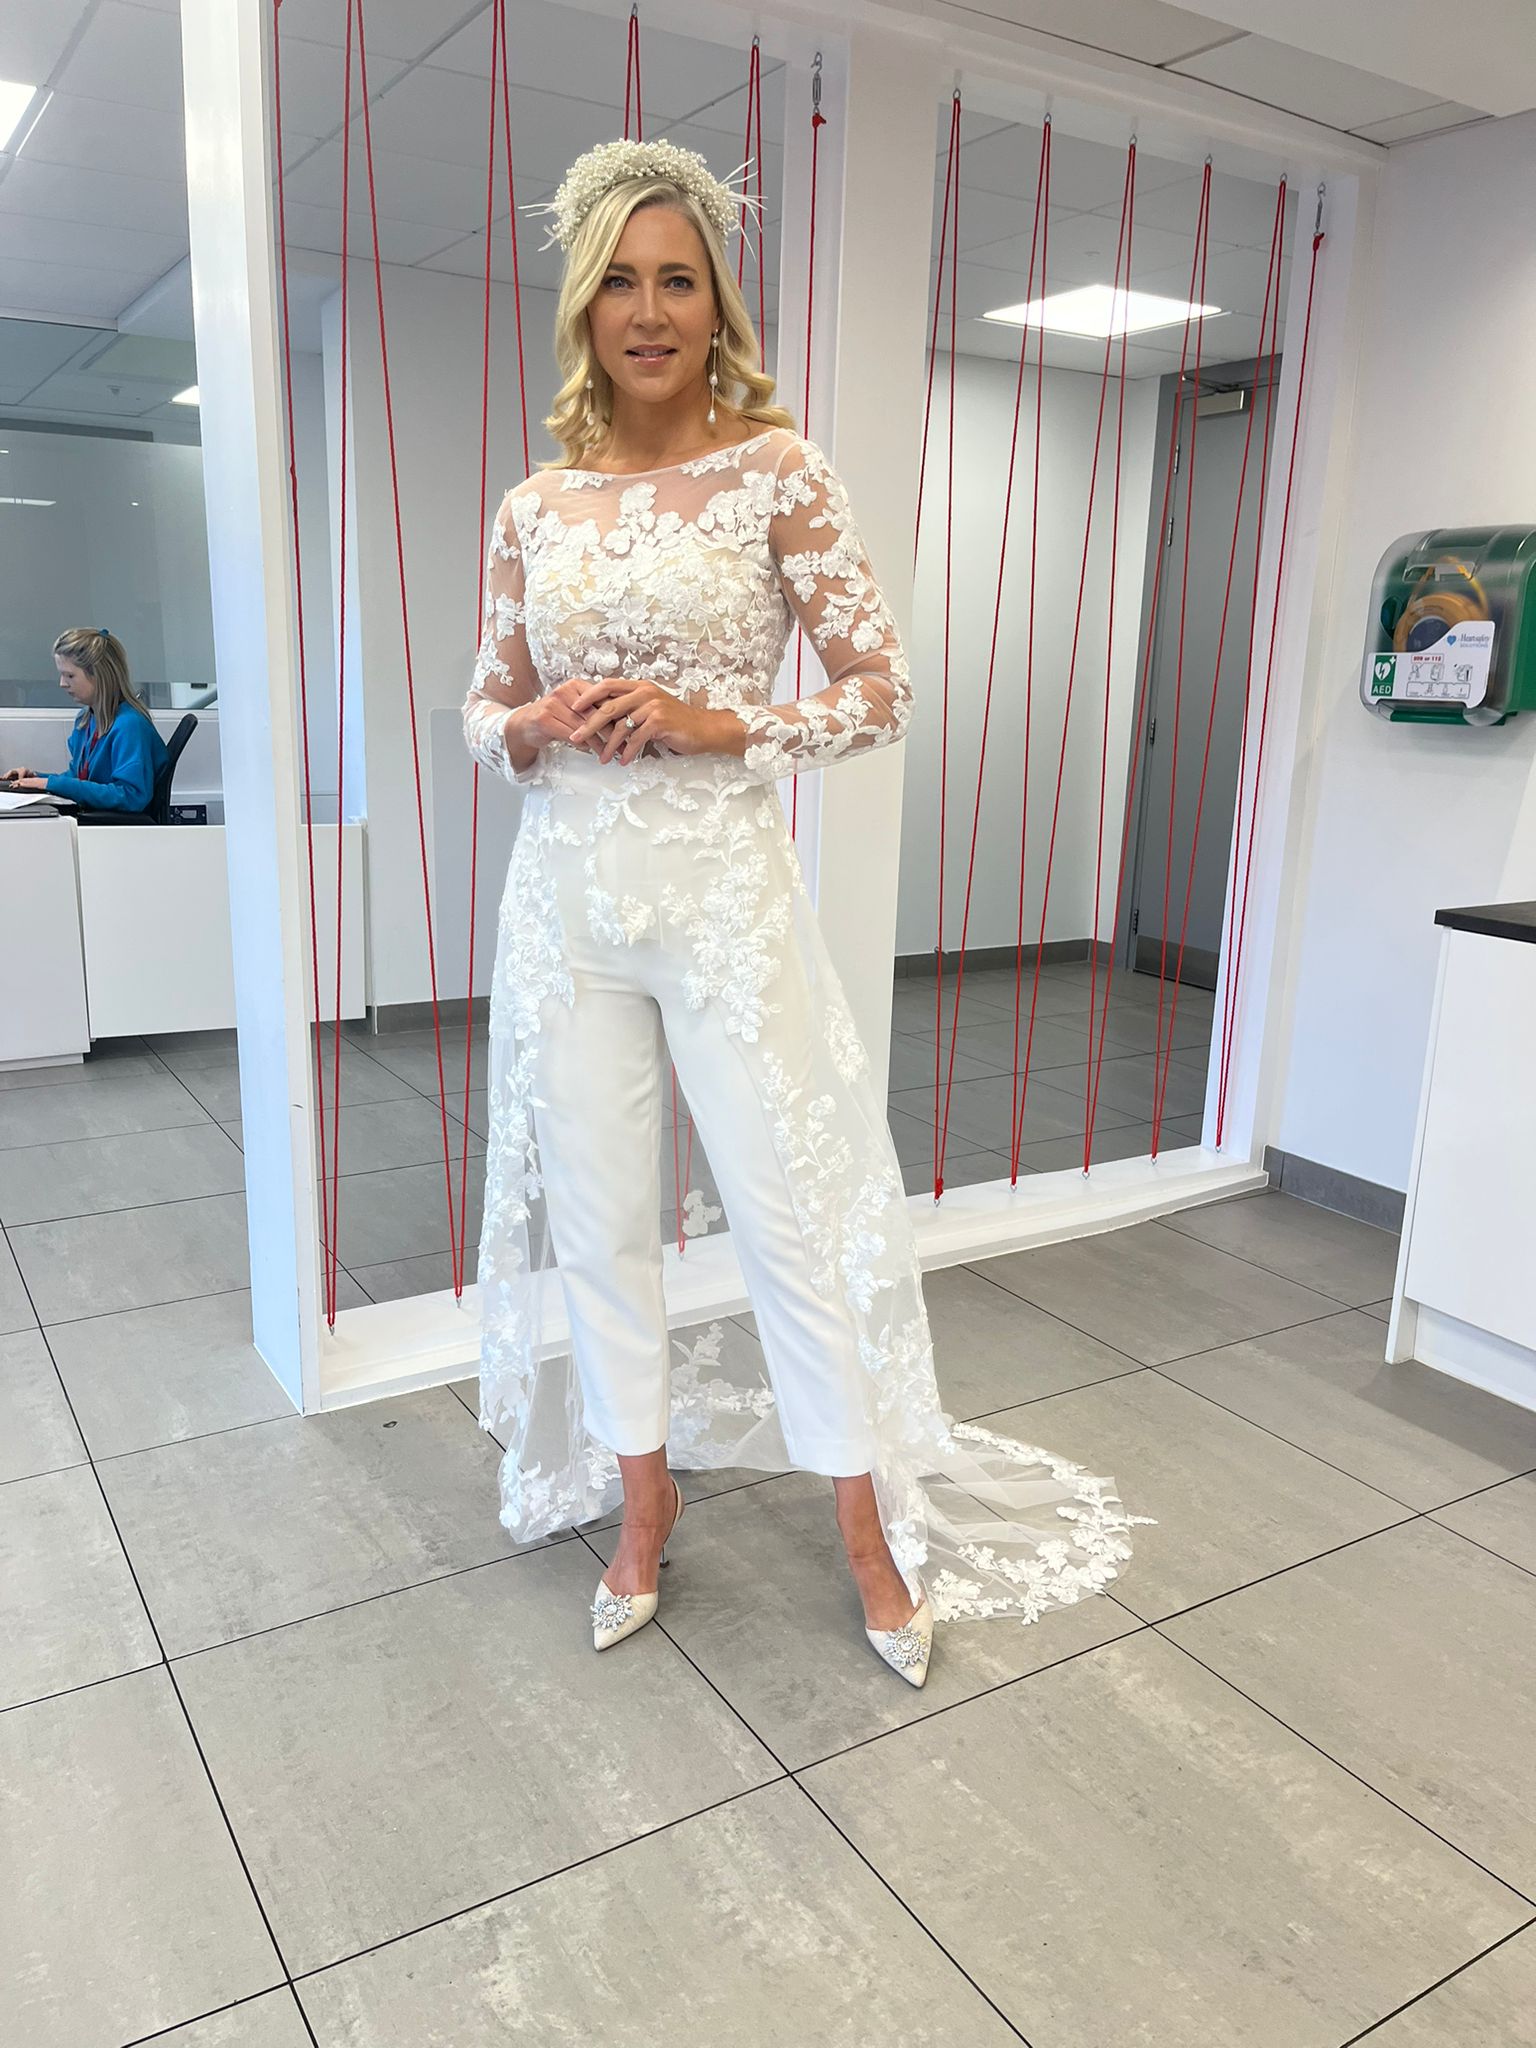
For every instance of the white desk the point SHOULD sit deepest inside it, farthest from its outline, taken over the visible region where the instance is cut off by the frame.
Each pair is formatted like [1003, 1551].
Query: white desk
[127, 928]
[1465, 1299]
[42, 1012]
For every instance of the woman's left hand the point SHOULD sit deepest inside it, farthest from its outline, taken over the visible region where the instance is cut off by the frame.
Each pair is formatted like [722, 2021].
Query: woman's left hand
[27, 782]
[659, 717]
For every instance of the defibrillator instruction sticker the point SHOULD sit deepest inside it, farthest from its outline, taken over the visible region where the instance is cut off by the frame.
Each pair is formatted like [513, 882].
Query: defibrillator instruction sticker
[1453, 671]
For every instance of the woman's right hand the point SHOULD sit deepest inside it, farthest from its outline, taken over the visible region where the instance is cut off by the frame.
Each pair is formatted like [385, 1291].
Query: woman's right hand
[552, 719]
[15, 774]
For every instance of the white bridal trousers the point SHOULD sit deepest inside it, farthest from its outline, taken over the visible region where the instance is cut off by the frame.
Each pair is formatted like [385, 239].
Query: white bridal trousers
[602, 1118]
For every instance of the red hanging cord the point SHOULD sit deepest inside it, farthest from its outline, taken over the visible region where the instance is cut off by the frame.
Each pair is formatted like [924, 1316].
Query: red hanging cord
[1271, 299]
[632, 77]
[298, 591]
[949, 579]
[1229, 1007]
[341, 648]
[818, 122]
[405, 620]
[1041, 181]
[1144, 690]
[1029, 651]
[1109, 671]
[1178, 671]
[1121, 251]
[951, 176]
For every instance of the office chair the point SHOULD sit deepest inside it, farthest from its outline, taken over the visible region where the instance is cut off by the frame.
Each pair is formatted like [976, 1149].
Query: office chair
[158, 811]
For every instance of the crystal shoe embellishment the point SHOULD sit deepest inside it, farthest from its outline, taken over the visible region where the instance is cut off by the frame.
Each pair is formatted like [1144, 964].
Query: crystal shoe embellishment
[903, 1645]
[611, 1610]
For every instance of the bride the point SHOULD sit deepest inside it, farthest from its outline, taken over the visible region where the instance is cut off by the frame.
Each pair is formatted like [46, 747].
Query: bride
[640, 592]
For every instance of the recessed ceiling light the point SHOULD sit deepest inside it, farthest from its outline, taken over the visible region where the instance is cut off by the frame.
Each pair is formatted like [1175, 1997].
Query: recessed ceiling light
[28, 501]
[1098, 310]
[28, 120]
[14, 102]
[187, 397]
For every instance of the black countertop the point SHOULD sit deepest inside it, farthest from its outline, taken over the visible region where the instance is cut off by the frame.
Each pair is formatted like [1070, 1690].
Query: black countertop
[1493, 920]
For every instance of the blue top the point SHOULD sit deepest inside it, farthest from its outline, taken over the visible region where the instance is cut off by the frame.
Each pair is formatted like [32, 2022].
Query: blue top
[114, 770]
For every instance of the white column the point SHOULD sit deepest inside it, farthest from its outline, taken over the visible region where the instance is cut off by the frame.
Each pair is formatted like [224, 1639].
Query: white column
[245, 478]
[874, 227]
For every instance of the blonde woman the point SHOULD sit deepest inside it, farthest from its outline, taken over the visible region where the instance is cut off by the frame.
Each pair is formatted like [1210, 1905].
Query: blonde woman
[115, 752]
[640, 592]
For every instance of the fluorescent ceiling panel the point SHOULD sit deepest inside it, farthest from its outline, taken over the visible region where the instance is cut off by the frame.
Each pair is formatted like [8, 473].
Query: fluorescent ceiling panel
[1098, 311]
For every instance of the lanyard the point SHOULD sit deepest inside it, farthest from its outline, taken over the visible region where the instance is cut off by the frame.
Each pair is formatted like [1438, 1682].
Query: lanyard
[90, 748]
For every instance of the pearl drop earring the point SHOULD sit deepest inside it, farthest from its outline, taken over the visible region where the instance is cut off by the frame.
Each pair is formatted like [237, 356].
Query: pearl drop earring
[586, 399]
[714, 380]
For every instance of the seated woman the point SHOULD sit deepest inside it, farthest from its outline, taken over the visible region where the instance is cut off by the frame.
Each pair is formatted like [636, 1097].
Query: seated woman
[114, 750]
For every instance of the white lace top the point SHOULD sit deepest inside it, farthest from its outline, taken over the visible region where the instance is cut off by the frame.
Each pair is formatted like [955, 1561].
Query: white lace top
[691, 577]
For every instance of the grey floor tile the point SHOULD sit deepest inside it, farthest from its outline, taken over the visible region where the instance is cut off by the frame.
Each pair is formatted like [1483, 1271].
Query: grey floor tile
[1127, 1082]
[412, 1057]
[981, 1113]
[96, 1265]
[118, 1104]
[759, 1596]
[1123, 1851]
[1120, 1141]
[271, 2021]
[87, 1176]
[260, 1526]
[415, 1756]
[216, 1084]
[37, 1431]
[1230, 1501]
[1418, 1435]
[992, 1350]
[81, 1073]
[1133, 1025]
[1502, 1519]
[69, 1611]
[16, 1312]
[1493, 2000]
[401, 1279]
[401, 1213]
[961, 1169]
[1057, 1042]
[911, 1064]
[1334, 1254]
[1381, 1310]
[125, 1907]
[409, 1132]
[1155, 1294]
[912, 1138]
[1411, 1660]
[148, 1376]
[789, 1938]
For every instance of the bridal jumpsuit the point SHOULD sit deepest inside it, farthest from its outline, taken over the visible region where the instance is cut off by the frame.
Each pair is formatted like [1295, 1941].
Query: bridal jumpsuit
[657, 909]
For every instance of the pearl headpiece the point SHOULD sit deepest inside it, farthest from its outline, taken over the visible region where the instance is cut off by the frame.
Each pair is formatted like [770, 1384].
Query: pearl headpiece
[615, 163]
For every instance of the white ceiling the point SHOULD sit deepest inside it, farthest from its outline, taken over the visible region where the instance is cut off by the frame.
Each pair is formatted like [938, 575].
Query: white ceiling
[93, 212]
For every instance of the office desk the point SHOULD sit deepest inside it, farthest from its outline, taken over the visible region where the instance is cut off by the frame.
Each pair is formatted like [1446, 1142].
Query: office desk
[42, 967]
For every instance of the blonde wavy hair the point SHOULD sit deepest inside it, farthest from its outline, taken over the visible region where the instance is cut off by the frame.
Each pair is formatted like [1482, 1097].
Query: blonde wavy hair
[103, 658]
[743, 386]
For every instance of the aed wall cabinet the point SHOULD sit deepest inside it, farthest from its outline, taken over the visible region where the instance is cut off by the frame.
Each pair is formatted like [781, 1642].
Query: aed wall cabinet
[1452, 639]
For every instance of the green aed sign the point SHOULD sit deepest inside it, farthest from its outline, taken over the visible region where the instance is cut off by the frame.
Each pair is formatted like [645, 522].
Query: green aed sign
[1383, 675]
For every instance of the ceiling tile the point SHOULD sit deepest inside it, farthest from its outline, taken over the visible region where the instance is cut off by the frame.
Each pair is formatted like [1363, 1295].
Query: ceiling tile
[1277, 75]
[31, 350]
[67, 241]
[34, 34]
[122, 398]
[96, 135]
[85, 293]
[1429, 120]
[312, 78]
[1084, 175]
[410, 188]
[129, 55]
[402, 29]
[1242, 211]
[1144, 29]
[319, 228]
[64, 192]
[566, 51]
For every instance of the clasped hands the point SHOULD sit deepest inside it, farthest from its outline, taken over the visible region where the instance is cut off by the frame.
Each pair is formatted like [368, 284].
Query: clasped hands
[592, 713]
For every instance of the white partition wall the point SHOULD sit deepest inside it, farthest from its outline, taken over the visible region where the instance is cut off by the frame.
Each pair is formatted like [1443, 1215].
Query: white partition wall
[884, 93]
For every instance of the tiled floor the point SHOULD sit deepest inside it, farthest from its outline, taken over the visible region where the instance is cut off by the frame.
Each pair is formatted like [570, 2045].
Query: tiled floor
[298, 1752]
[121, 1180]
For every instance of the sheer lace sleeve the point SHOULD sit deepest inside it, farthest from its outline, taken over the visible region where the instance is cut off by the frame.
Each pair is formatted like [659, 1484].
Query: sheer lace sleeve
[831, 588]
[504, 674]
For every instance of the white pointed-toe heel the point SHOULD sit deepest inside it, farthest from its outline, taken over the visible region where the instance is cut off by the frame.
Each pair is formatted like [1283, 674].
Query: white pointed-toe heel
[906, 1649]
[616, 1615]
